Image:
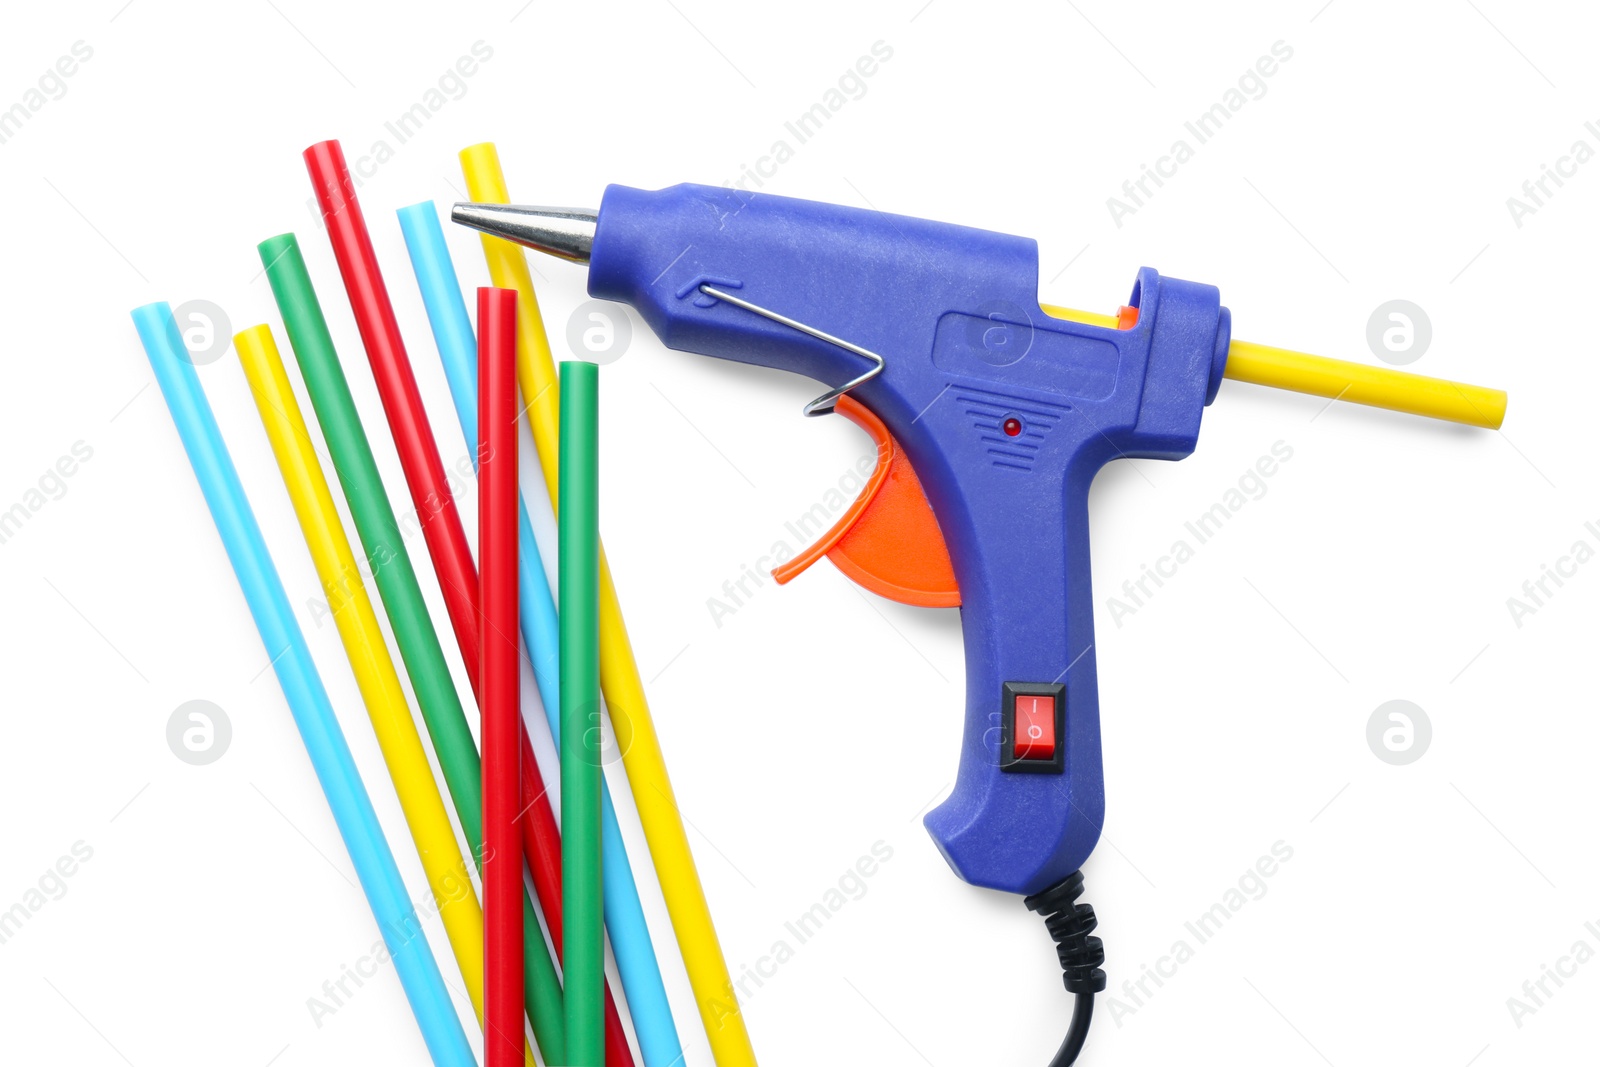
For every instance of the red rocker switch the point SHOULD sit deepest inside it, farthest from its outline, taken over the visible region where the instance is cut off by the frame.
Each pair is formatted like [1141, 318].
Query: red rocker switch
[1033, 721]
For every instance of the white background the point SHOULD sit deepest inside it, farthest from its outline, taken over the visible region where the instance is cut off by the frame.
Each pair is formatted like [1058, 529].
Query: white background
[814, 721]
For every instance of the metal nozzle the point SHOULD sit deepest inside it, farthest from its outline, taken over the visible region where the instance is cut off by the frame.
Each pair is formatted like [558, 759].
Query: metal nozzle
[567, 232]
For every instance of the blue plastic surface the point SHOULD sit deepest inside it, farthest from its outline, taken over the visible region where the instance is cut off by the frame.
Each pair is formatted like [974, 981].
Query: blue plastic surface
[954, 312]
[630, 936]
[302, 687]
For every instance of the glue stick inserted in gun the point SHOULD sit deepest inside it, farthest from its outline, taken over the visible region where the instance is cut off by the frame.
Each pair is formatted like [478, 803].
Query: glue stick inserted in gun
[986, 408]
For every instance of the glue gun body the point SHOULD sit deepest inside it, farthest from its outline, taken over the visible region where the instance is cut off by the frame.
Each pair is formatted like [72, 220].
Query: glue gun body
[1004, 413]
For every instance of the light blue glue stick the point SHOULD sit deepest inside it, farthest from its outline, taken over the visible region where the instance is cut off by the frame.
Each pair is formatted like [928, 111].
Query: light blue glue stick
[302, 687]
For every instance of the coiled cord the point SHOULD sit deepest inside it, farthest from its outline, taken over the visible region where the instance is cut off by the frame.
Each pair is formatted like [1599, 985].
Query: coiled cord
[1071, 926]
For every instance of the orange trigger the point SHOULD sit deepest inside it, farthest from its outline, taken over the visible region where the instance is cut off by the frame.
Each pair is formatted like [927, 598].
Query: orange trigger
[887, 541]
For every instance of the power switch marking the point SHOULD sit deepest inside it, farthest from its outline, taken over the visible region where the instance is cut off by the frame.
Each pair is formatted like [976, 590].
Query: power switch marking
[1035, 734]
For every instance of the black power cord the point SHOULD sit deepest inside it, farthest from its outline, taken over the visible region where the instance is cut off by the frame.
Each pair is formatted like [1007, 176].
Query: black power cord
[1071, 926]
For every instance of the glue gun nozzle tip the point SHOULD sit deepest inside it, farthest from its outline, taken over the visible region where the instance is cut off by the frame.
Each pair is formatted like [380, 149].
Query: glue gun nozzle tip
[564, 232]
